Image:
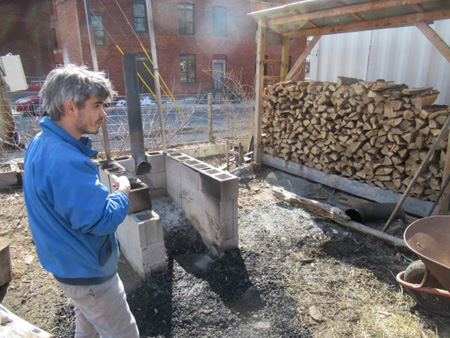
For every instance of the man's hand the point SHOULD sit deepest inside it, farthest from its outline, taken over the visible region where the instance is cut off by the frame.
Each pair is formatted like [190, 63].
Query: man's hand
[121, 183]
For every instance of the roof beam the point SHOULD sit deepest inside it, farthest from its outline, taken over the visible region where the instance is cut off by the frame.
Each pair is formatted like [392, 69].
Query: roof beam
[352, 9]
[435, 39]
[397, 21]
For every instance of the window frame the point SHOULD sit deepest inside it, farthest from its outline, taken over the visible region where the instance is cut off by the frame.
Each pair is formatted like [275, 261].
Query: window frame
[102, 37]
[219, 21]
[144, 18]
[183, 29]
[188, 71]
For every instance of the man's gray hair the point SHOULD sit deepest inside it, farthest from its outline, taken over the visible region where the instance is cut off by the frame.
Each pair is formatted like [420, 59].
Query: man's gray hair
[75, 83]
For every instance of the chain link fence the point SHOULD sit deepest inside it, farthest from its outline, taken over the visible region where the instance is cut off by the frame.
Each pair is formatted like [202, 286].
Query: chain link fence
[186, 119]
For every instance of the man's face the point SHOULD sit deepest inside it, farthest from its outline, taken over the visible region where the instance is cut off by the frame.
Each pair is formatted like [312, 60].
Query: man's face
[90, 117]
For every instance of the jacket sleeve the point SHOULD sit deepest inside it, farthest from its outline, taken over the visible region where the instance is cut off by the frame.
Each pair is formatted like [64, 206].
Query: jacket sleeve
[83, 202]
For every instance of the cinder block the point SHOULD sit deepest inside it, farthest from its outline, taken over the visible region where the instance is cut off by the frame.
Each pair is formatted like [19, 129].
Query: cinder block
[219, 185]
[190, 178]
[157, 161]
[142, 242]
[154, 255]
[139, 197]
[127, 162]
[150, 228]
[173, 179]
[155, 180]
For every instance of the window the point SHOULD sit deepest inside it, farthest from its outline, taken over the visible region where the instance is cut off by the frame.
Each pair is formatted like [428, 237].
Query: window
[186, 19]
[219, 21]
[187, 68]
[99, 29]
[139, 16]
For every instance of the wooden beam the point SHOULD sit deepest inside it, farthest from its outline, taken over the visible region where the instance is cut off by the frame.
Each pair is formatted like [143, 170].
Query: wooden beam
[398, 21]
[356, 16]
[412, 205]
[435, 39]
[259, 87]
[333, 213]
[364, 7]
[302, 57]
[285, 57]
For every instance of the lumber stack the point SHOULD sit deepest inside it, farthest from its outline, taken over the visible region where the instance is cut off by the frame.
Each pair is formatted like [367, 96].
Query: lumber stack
[378, 132]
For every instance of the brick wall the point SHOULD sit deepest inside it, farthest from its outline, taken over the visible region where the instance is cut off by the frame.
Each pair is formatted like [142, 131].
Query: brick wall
[24, 31]
[238, 48]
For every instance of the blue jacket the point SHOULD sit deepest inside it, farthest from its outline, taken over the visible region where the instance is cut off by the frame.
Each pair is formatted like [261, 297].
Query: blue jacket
[71, 215]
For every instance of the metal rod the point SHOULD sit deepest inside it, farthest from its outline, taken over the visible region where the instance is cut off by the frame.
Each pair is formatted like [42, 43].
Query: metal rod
[419, 171]
[156, 72]
[439, 196]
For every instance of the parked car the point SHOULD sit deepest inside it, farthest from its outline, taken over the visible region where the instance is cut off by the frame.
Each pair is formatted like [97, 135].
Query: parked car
[29, 105]
[145, 101]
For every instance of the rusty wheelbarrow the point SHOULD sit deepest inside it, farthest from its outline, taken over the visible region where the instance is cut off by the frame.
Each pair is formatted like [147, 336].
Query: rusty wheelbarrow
[428, 279]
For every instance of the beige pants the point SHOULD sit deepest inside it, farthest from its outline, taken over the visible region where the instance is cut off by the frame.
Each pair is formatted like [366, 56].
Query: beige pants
[101, 309]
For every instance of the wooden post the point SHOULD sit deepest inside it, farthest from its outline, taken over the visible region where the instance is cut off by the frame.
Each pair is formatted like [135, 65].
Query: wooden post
[7, 128]
[5, 263]
[210, 120]
[284, 57]
[151, 33]
[444, 202]
[259, 87]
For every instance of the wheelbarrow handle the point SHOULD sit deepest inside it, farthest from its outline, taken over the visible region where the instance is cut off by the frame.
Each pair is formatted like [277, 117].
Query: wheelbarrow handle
[419, 287]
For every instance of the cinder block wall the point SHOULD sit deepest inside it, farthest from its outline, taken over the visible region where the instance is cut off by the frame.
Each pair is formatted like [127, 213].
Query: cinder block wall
[207, 195]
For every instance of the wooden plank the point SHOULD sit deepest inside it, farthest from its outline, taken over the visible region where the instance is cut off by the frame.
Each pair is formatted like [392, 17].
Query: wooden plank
[259, 87]
[397, 21]
[358, 8]
[335, 214]
[5, 262]
[435, 39]
[10, 179]
[285, 57]
[16, 327]
[302, 58]
[411, 205]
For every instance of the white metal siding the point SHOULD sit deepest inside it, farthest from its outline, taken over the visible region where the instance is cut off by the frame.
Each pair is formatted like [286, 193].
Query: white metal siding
[403, 55]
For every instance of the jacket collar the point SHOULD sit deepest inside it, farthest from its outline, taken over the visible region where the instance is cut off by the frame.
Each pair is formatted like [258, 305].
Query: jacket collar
[83, 144]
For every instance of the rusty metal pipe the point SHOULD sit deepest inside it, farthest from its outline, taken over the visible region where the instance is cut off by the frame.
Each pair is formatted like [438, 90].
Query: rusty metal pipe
[367, 212]
[134, 114]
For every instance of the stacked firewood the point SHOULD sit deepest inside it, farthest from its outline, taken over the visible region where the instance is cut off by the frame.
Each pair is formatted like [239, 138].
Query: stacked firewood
[378, 132]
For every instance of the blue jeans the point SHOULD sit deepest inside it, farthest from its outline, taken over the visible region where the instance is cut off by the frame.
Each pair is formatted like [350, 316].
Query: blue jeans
[101, 309]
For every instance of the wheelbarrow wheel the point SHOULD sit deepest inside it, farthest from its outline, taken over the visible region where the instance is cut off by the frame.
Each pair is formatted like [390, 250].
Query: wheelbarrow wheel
[433, 303]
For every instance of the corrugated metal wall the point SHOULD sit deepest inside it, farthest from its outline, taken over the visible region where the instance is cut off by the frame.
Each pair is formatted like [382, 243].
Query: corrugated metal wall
[403, 55]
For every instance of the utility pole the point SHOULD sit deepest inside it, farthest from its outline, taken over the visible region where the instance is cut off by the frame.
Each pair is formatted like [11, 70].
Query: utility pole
[151, 32]
[87, 9]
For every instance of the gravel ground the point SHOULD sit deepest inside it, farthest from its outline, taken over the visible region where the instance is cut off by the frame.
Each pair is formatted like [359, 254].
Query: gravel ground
[293, 275]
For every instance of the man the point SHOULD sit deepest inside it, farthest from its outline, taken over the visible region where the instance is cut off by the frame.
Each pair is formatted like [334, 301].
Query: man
[72, 216]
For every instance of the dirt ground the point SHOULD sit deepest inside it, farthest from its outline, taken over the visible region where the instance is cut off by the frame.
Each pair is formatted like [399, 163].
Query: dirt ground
[294, 275]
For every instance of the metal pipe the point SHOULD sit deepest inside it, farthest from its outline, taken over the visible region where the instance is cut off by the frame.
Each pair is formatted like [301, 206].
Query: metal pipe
[156, 72]
[134, 114]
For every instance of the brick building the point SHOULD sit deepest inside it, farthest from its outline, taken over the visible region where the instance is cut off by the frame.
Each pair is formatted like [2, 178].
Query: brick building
[26, 30]
[194, 40]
